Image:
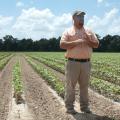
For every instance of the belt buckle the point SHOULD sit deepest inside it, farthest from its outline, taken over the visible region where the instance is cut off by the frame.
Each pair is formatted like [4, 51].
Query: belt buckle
[88, 60]
[73, 59]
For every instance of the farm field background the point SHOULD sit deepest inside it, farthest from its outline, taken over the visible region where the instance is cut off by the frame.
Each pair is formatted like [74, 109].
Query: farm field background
[104, 88]
[105, 73]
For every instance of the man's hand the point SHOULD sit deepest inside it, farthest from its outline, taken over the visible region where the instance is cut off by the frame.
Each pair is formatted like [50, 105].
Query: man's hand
[88, 37]
[79, 41]
[70, 44]
[92, 43]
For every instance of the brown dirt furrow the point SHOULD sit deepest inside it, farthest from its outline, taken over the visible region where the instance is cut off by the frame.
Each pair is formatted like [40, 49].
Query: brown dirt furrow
[39, 98]
[42, 102]
[99, 104]
[6, 89]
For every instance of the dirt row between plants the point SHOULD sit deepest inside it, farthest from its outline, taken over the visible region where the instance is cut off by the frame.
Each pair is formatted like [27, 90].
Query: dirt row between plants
[99, 104]
[43, 101]
[6, 89]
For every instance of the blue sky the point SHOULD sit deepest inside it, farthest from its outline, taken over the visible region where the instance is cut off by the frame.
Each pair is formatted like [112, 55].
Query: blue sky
[49, 18]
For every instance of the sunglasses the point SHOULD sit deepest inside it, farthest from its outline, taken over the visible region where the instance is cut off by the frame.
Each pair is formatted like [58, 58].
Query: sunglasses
[80, 18]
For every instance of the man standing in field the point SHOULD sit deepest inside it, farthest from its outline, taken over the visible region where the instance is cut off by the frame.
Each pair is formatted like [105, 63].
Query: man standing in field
[78, 41]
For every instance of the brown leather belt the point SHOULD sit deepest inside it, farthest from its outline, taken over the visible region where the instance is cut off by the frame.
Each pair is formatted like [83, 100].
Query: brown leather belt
[79, 60]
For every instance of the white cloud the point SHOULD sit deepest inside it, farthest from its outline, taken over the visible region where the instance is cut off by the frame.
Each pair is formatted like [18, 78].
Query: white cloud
[19, 4]
[4, 21]
[36, 24]
[5, 25]
[104, 3]
[100, 1]
[114, 27]
[108, 24]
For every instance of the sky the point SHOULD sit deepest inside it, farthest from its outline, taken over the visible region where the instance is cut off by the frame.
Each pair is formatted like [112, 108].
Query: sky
[38, 19]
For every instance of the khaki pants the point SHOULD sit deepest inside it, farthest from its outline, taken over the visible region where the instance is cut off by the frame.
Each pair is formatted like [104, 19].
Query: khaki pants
[77, 72]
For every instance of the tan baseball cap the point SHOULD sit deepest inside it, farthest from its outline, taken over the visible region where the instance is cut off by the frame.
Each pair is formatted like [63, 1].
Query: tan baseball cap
[78, 13]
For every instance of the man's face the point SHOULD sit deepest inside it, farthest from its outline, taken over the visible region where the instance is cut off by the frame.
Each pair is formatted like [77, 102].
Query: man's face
[78, 21]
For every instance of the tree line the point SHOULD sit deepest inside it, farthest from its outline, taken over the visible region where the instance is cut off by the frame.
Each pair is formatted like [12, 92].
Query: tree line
[108, 43]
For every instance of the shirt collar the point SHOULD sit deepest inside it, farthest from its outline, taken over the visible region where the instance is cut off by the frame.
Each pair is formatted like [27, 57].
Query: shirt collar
[76, 30]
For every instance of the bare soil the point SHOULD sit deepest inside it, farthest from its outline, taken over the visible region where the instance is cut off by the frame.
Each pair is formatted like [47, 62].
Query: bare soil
[6, 89]
[99, 104]
[43, 103]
